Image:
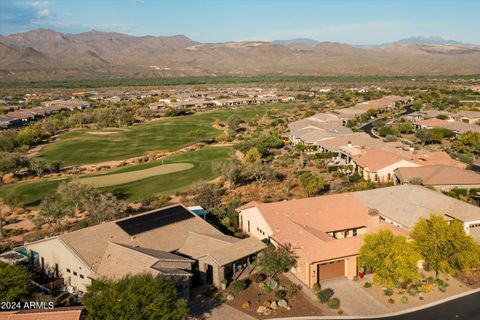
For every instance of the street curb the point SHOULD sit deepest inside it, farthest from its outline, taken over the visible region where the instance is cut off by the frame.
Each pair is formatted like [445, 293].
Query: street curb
[386, 315]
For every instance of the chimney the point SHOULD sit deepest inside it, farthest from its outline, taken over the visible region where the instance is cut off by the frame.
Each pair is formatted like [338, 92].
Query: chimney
[373, 219]
[415, 155]
[349, 144]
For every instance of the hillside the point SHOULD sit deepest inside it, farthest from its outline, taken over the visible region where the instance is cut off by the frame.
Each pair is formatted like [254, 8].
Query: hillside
[49, 55]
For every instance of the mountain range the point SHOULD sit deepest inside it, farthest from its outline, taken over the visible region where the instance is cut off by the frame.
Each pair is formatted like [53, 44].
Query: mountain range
[44, 54]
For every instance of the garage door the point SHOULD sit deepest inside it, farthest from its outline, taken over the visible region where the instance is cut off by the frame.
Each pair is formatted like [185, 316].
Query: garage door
[332, 270]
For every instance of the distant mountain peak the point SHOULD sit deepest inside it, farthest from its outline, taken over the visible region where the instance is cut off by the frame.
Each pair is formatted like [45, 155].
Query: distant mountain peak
[296, 41]
[418, 40]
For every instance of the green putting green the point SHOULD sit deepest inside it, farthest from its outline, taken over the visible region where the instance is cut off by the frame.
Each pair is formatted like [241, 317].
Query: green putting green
[126, 177]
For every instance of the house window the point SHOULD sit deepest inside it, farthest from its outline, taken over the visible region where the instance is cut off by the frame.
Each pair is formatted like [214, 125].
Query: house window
[81, 276]
[74, 273]
[248, 225]
[354, 232]
[68, 270]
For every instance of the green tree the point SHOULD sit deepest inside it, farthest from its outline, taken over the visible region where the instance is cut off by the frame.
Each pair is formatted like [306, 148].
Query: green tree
[138, 297]
[387, 131]
[199, 134]
[444, 245]
[391, 257]
[40, 166]
[52, 211]
[275, 260]
[312, 184]
[234, 122]
[14, 282]
[252, 155]
[405, 128]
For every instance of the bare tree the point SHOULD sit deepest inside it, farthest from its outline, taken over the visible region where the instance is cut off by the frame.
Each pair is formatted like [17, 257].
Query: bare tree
[76, 193]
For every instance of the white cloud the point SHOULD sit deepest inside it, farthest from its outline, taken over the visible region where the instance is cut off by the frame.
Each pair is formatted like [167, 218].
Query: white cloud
[40, 4]
[43, 13]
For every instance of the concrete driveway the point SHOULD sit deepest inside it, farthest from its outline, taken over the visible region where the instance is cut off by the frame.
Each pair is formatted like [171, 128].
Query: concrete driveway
[354, 301]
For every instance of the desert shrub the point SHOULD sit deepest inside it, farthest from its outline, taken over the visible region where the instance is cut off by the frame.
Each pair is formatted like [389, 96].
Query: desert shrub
[246, 305]
[391, 301]
[355, 278]
[325, 295]
[431, 280]
[388, 292]
[292, 289]
[266, 303]
[333, 303]
[221, 297]
[280, 294]
[272, 283]
[317, 287]
[426, 288]
[265, 289]
[442, 286]
[258, 277]
[404, 299]
[367, 285]
[238, 286]
[412, 290]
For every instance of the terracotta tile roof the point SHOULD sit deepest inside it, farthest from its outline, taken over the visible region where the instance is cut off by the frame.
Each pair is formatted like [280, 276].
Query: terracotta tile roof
[376, 158]
[405, 204]
[457, 126]
[304, 224]
[439, 175]
[68, 313]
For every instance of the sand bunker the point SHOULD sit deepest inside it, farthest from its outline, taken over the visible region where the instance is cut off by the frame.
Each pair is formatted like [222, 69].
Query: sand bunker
[126, 177]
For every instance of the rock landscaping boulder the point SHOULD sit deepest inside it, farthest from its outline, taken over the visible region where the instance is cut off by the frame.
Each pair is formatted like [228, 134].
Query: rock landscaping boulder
[230, 297]
[267, 311]
[282, 303]
[274, 305]
[261, 309]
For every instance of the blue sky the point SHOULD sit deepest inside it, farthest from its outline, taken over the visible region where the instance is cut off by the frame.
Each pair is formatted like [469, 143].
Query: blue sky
[348, 21]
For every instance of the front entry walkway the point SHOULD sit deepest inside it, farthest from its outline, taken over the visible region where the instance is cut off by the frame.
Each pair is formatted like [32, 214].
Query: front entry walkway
[354, 301]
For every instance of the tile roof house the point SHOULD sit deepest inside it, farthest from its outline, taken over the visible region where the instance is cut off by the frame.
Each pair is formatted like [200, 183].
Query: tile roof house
[403, 205]
[316, 128]
[440, 177]
[325, 232]
[165, 242]
[379, 163]
[458, 127]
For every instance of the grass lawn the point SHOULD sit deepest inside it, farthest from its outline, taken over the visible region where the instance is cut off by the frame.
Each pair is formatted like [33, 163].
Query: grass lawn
[31, 193]
[81, 147]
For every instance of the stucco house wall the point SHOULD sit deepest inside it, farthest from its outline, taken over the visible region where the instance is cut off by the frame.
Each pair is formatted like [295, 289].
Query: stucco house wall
[253, 223]
[70, 266]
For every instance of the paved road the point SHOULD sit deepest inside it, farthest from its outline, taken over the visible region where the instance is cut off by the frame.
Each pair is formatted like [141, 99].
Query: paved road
[465, 308]
[367, 128]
